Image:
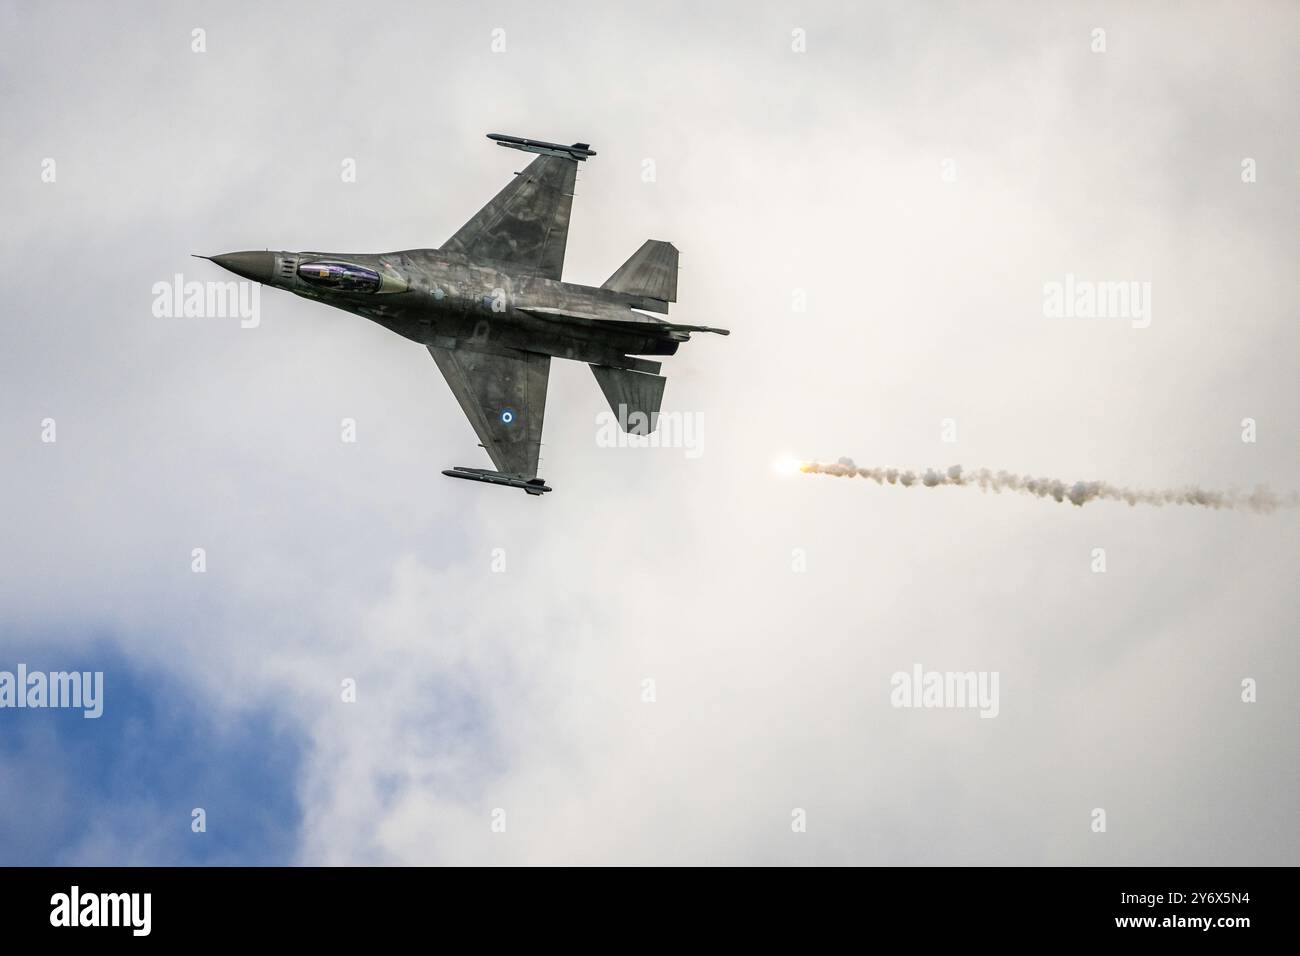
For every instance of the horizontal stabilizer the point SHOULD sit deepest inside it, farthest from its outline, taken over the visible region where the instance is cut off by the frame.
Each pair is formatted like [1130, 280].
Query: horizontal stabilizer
[635, 397]
[651, 272]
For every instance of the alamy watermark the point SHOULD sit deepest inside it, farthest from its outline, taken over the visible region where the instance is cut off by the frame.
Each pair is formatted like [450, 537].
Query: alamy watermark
[684, 430]
[75, 908]
[179, 299]
[946, 689]
[1086, 299]
[82, 690]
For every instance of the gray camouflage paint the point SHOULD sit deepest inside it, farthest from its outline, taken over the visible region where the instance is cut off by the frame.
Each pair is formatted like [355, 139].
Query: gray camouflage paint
[492, 309]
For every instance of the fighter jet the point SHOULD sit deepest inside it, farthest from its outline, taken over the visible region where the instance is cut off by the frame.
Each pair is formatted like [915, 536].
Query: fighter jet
[491, 306]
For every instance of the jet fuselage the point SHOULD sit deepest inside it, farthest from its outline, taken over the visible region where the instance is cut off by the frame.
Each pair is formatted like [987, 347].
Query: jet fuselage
[441, 299]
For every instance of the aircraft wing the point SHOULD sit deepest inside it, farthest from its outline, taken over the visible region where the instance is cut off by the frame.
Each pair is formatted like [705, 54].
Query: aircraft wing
[504, 396]
[526, 225]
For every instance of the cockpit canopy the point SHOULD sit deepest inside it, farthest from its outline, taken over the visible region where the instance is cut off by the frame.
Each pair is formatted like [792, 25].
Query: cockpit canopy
[340, 276]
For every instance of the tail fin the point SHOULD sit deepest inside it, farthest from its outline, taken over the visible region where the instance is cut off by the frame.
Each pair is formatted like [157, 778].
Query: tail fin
[651, 272]
[635, 397]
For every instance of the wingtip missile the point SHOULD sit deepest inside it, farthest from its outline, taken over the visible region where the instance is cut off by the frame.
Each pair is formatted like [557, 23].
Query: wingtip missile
[578, 151]
[532, 486]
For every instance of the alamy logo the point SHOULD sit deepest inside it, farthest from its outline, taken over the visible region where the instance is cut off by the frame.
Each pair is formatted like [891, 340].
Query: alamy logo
[683, 430]
[58, 689]
[179, 299]
[102, 909]
[946, 689]
[1084, 299]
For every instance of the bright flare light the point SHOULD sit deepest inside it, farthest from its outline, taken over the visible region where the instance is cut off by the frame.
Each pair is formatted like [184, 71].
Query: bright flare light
[787, 466]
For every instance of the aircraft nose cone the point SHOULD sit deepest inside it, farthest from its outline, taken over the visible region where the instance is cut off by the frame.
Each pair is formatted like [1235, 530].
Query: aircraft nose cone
[258, 266]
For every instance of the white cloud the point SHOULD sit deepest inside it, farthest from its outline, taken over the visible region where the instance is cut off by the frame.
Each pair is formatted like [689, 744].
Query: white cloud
[822, 172]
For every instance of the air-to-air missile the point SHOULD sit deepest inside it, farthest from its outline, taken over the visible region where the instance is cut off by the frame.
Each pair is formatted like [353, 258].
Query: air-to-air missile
[534, 486]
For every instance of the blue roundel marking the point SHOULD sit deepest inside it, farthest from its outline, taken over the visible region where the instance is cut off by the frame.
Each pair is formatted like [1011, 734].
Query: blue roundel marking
[507, 416]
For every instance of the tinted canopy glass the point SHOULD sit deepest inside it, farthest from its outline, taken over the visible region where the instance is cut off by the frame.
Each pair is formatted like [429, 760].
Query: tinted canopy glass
[342, 276]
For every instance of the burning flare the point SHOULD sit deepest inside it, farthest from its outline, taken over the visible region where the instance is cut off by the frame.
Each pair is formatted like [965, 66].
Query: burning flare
[1260, 501]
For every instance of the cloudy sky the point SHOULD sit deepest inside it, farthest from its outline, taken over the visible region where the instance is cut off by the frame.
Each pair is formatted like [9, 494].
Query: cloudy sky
[875, 217]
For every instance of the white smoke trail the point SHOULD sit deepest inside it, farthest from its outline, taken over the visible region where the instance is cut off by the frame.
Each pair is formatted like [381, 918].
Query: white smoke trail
[1260, 501]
